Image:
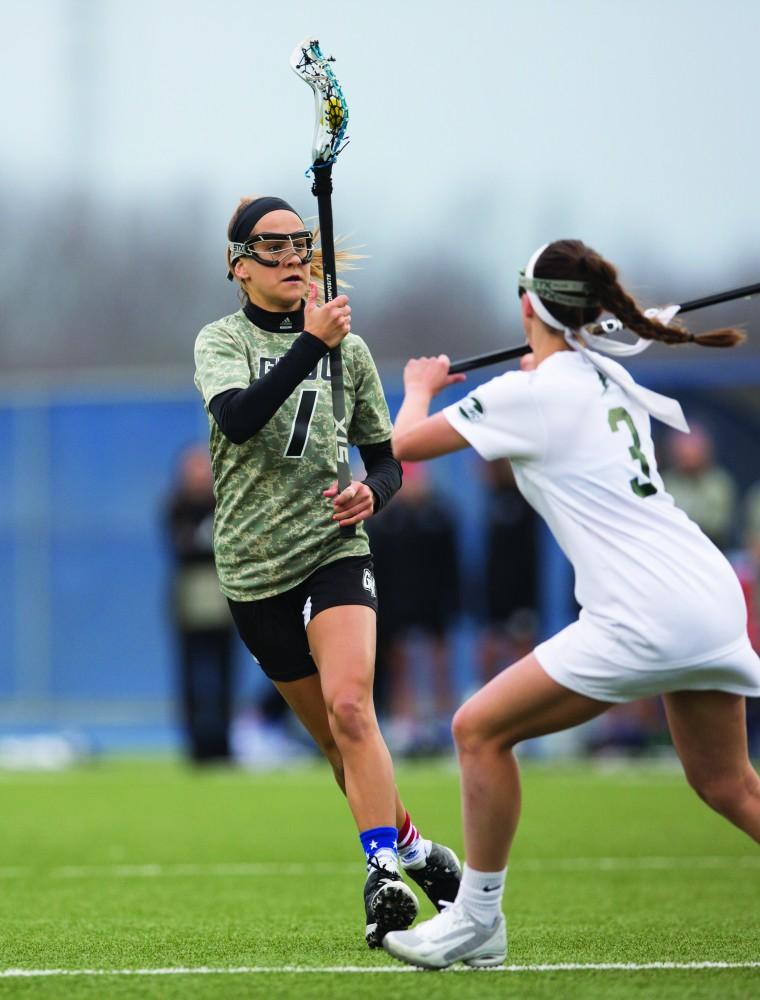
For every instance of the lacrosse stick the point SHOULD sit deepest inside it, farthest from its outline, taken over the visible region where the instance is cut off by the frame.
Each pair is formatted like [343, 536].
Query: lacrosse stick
[331, 121]
[607, 326]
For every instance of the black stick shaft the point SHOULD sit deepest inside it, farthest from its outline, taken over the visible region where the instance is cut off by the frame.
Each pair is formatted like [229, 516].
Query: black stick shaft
[322, 188]
[507, 354]
[480, 360]
[712, 300]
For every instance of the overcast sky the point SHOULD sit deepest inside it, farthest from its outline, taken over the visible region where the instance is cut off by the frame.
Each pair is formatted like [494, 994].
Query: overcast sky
[493, 125]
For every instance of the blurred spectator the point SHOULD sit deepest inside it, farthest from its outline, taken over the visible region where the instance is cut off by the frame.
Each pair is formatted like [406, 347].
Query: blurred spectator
[199, 612]
[752, 516]
[704, 490]
[417, 571]
[511, 527]
[747, 566]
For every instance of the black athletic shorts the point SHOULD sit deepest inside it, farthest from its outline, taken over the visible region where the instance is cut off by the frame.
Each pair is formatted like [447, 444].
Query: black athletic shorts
[274, 629]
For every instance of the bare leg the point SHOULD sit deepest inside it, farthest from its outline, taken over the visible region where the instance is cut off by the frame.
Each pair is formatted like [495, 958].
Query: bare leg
[710, 734]
[342, 642]
[305, 698]
[520, 703]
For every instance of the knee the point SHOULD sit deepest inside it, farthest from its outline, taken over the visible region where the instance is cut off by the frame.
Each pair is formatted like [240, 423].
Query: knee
[726, 794]
[351, 716]
[471, 733]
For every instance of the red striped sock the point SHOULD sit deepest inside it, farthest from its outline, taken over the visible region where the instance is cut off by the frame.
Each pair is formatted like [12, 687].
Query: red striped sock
[407, 833]
[412, 849]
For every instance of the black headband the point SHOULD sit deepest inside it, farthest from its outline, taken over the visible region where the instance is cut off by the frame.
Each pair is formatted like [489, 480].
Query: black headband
[255, 211]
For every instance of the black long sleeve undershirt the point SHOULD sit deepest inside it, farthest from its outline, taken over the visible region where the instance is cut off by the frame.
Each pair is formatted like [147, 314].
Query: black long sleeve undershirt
[241, 413]
[383, 471]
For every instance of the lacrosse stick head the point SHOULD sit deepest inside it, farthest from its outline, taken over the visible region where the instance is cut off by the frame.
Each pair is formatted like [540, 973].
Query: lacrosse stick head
[330, 107]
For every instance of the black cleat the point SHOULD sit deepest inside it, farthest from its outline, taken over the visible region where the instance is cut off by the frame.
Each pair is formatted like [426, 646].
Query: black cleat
[440, 877]
[389, 903]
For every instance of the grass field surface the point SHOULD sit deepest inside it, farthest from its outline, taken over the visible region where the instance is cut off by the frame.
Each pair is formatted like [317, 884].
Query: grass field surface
[145, 879]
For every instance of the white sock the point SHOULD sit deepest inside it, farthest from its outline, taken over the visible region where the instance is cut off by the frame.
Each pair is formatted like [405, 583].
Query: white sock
[387, 858]
[481, 893]
[414, 855]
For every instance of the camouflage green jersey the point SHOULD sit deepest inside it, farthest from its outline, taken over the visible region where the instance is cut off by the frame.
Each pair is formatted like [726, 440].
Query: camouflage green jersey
[272, 526]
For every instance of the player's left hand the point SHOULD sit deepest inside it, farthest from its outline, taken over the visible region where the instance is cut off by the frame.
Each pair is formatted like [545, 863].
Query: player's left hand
[356, 503]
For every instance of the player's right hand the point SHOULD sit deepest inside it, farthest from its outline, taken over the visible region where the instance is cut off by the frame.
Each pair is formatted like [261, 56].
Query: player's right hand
[429, 375]
[330, 322]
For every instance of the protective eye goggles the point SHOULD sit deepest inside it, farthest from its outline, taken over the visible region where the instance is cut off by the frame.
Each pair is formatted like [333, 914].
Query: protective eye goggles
[270, 249]
[554, 289]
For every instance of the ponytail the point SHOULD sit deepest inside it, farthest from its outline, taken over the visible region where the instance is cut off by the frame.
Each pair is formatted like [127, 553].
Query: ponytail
[572, 259]
[344, 261]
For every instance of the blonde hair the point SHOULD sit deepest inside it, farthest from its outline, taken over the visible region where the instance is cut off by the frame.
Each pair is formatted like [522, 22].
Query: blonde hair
[344, 257]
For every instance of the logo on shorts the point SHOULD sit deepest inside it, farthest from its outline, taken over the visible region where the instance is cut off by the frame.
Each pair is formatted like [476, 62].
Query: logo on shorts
[306, 612]
[472, 409]
[368, 582]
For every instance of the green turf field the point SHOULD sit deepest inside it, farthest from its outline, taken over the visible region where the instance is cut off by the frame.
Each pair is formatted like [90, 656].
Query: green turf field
[145, 866]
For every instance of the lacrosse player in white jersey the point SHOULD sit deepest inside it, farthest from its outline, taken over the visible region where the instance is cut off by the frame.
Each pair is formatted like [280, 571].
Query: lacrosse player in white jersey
[662, 610]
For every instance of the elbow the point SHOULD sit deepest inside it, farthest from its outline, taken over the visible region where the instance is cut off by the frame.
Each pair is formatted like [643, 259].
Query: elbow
[237, 436]
[398, 447]
[236, 432]
[404, 449]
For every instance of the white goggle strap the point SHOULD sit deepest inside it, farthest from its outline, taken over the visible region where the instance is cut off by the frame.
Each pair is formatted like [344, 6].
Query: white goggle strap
[618, 348]
[613, 347]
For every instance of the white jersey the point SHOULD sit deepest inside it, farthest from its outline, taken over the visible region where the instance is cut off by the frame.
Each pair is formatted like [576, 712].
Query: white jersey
[652, 585]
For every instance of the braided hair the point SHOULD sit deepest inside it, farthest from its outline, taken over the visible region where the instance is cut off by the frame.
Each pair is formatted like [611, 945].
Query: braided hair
[572, 259]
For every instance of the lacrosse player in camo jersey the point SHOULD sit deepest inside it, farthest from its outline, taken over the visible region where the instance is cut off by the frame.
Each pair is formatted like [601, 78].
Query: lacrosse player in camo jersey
[303, 596]
[662, 609]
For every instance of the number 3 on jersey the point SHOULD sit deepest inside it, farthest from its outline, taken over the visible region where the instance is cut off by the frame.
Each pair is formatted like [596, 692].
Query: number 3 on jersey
[619, 415]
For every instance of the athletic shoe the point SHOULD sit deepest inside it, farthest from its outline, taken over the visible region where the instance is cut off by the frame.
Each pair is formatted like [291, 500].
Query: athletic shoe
[451, 936]
[389, 903]
[440, 877]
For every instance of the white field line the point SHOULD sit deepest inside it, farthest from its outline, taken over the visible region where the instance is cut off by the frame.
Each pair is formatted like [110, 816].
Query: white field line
[279, 869]
[244, 970]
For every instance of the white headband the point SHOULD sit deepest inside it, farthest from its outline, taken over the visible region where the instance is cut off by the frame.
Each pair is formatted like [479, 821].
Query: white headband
[541, 311]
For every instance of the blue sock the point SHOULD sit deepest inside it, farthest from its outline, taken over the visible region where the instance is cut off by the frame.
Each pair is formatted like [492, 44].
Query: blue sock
[380, 842]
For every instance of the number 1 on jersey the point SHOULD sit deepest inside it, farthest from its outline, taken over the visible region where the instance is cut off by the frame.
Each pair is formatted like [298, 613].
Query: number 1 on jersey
[615, 416]
[299, 435]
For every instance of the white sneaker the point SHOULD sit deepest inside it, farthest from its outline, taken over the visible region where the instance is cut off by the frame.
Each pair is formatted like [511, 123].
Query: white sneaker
[451, 936]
